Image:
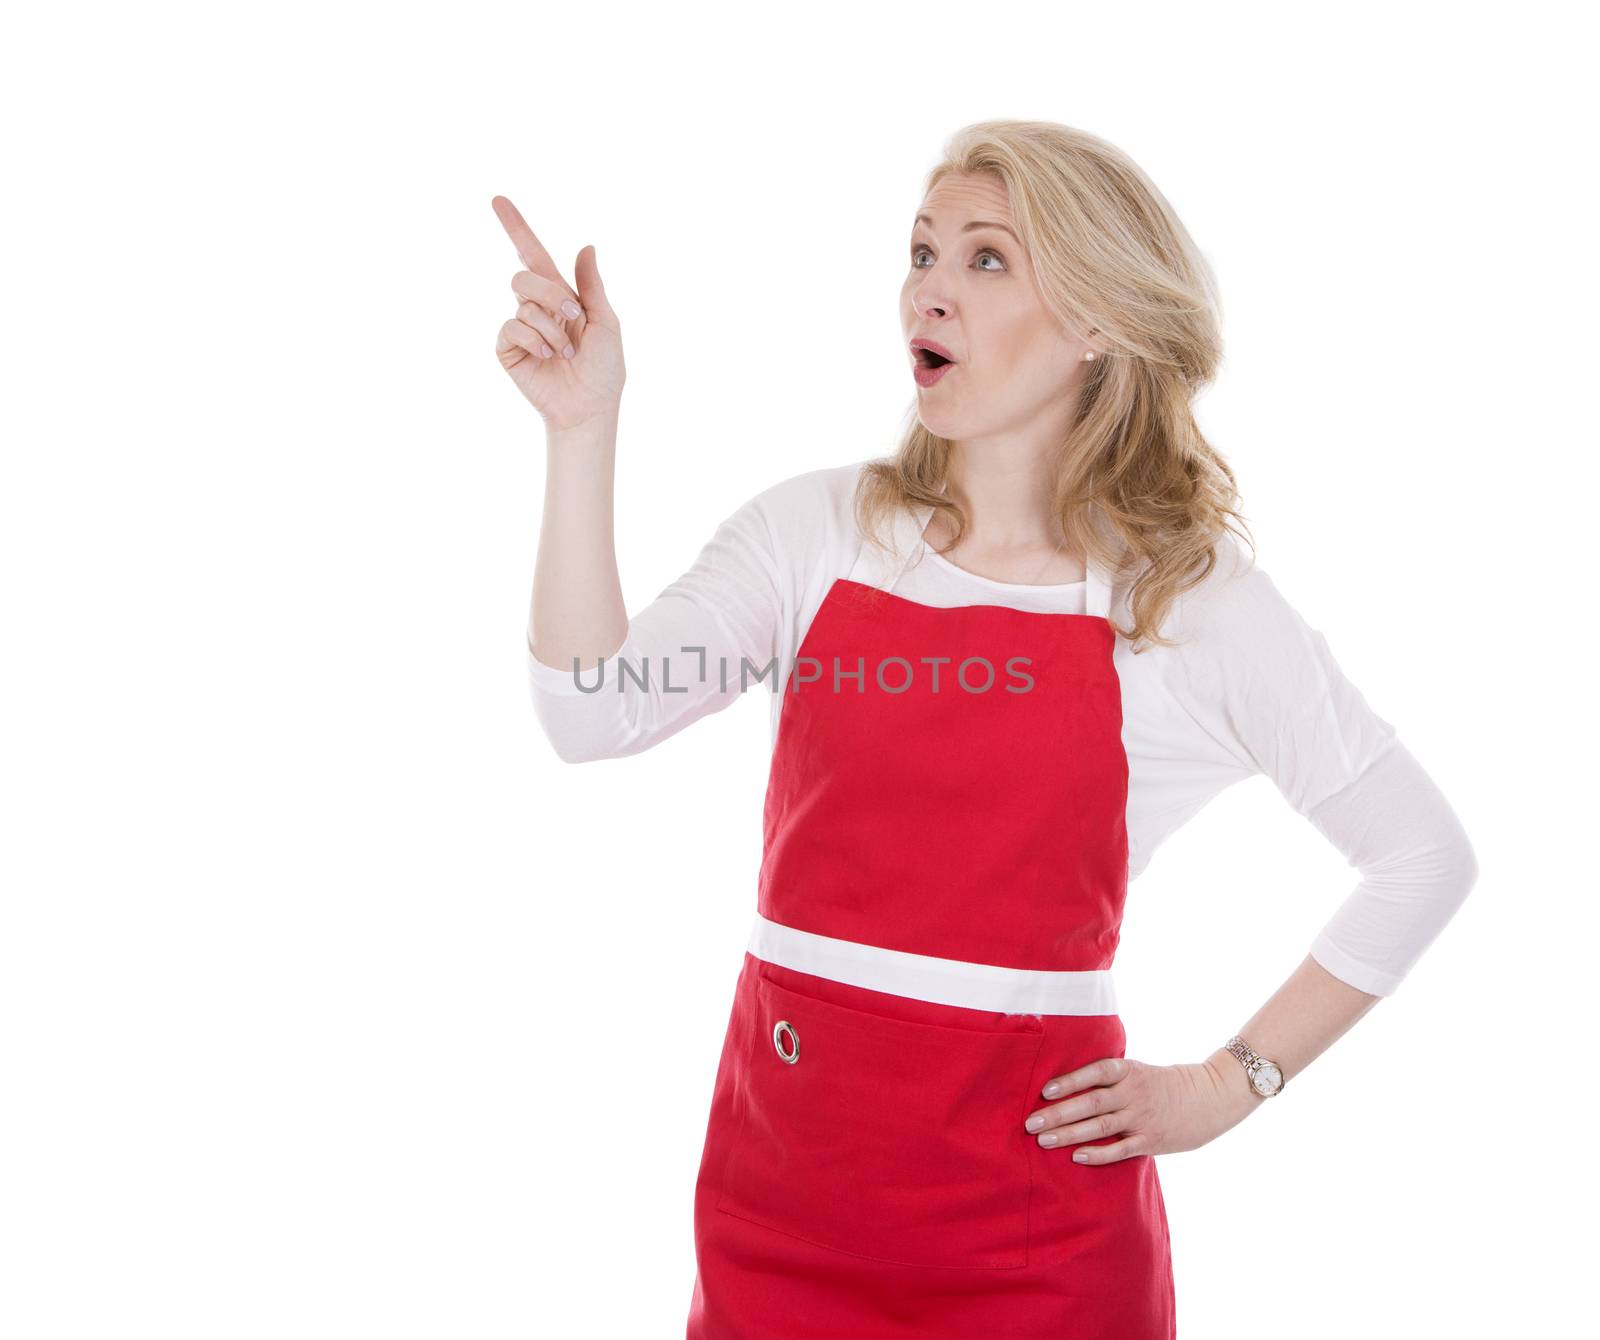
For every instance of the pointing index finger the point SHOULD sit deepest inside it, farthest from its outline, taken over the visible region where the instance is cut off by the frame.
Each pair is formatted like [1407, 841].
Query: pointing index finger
[529, 248]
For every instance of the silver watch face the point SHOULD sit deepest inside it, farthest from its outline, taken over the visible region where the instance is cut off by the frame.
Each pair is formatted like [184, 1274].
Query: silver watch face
[1266, 1079]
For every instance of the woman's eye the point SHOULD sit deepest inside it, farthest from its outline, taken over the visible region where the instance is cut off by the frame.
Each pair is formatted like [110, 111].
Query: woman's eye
[917, 252]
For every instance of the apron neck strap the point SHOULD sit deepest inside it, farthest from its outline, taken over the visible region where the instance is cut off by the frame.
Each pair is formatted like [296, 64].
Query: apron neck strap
[875, 567]
[1096, 589]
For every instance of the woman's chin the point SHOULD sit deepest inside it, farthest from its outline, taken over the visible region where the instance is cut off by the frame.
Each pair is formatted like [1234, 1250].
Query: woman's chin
[939, 421]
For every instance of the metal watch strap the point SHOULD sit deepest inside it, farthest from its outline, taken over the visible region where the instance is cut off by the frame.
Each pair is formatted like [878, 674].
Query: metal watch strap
[1238, 1047]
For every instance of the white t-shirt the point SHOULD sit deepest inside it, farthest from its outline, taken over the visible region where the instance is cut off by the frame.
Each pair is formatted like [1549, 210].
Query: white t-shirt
[1249, 688]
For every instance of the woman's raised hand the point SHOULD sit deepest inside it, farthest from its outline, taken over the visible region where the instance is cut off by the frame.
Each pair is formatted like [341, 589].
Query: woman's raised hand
[563, 348]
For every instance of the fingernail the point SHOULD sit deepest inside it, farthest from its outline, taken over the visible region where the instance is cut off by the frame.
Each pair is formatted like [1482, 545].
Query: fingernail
[1033, 1123]
[1078, 1156]
[1051, 1089]
[546, 350]
[571, 308]
[567, 352]
[1048, 1140]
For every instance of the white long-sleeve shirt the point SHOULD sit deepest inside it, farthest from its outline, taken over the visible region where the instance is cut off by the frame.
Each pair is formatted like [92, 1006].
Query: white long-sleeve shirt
[1249, 688]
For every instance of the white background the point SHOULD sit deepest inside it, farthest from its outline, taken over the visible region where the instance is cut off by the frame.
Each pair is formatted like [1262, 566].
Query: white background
[333, 1004]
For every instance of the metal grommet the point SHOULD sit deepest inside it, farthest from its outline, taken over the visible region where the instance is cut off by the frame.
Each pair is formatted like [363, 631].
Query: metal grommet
[778, 1030]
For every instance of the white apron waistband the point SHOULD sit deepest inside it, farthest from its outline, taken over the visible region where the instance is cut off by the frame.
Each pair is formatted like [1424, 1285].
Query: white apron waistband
[944, 981]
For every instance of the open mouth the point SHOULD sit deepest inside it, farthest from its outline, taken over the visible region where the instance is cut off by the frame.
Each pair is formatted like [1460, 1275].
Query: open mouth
[928, 359]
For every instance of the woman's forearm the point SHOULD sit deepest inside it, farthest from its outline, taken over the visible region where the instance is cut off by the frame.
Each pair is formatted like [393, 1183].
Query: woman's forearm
[1303, 1018]
[577, 609]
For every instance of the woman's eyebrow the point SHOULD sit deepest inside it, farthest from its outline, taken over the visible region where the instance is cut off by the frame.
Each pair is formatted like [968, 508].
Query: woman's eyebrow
[968, 227]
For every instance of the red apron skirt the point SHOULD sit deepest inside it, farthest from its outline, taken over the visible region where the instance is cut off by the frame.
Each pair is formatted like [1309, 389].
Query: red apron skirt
[940, 898]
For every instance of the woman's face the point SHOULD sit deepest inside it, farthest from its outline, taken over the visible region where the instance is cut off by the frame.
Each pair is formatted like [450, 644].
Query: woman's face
[970, 289]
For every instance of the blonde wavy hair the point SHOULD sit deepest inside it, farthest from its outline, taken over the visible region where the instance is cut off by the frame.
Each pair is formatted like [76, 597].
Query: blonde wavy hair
[1138, 487]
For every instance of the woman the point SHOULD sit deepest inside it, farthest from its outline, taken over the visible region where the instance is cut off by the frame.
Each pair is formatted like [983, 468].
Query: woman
[1016, 655]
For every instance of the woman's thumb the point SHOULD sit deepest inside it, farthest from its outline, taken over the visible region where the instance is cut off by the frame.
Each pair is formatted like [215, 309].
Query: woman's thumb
[591, 291]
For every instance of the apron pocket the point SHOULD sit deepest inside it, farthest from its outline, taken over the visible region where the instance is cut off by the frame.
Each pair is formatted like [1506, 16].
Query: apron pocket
[885, 1138]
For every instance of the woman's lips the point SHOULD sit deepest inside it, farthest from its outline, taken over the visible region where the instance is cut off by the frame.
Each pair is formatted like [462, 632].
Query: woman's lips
[930, 376]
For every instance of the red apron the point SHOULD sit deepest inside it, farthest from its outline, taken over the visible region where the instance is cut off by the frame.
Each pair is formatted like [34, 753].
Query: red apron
[940, 898]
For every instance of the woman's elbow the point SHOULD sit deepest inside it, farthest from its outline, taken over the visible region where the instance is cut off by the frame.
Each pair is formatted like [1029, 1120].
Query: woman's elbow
[1466, 866]
[577, 737]
[1454, 862]
[577, 751]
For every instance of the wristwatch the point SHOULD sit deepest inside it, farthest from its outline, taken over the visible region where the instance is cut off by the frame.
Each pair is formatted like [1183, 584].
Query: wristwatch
[1265, 1077]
